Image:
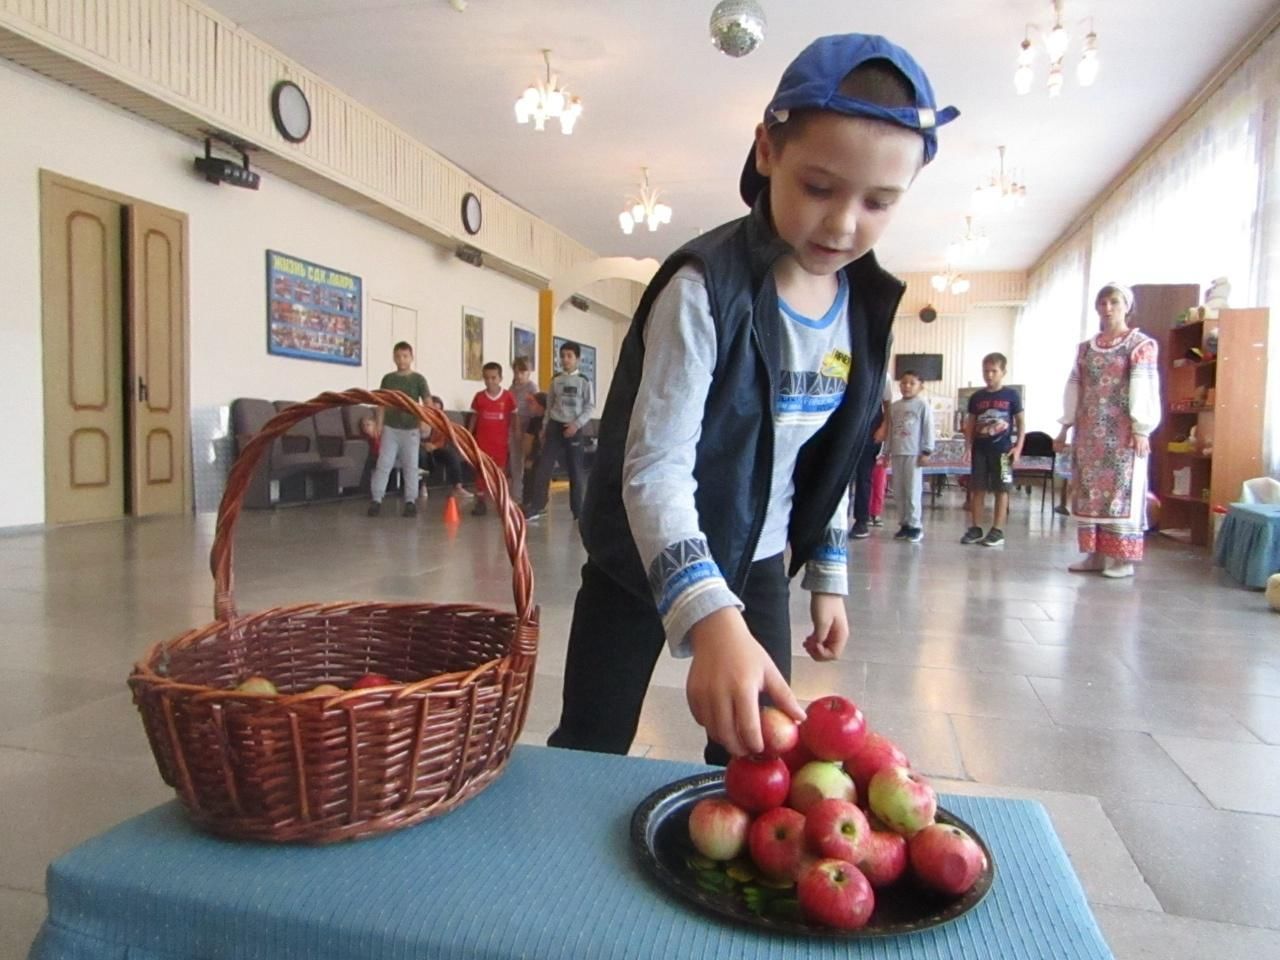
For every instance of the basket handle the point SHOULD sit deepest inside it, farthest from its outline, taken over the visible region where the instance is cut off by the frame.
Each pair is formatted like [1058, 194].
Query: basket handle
[220, 558]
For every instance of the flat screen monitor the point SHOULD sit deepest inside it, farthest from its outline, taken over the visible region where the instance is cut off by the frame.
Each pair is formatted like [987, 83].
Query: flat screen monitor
[928, 366]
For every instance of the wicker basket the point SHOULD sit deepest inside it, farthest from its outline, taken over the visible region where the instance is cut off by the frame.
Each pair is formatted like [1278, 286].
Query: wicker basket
[314, 767]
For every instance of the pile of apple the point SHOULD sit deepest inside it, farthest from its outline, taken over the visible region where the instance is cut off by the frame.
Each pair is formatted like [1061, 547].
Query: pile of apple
[264, 687]
[795, 810]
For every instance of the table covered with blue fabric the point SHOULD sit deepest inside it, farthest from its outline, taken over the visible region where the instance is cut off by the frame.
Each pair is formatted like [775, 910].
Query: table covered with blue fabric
[537, 866]
[1248, 544]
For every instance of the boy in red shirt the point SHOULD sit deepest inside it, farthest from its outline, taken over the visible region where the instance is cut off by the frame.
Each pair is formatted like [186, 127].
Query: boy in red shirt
[492, 416]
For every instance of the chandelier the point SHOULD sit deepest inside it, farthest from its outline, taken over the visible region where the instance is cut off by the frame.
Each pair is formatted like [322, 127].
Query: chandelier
[951, 280]
[1056, 42]
[646, 209]
[972, 243]
[547, 100]
[1001, 191]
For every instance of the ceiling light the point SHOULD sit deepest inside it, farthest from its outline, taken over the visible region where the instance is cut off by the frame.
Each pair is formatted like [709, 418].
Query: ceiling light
[1087, 69]
[1024, 75]
[1000, 191]
[547, 100]
[737, 26]
[1056, 41]
[949, 279]
[972, 243]
[647, 209]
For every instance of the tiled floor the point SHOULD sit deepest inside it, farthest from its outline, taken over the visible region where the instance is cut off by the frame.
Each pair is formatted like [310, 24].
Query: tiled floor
[1144, 714]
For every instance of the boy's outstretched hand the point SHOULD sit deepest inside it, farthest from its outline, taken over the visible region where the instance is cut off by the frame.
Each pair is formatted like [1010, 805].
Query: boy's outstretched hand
[830, 627]
[728, 673]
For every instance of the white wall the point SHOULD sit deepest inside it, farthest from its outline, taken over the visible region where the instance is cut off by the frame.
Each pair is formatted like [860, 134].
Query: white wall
[66, 132]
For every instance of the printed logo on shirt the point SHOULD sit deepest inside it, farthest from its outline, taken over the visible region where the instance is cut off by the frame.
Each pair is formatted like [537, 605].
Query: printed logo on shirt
[680, 572]
[807, 395]
[836, 364]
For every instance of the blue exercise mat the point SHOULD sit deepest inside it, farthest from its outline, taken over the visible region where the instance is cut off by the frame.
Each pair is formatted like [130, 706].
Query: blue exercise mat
[537, 866]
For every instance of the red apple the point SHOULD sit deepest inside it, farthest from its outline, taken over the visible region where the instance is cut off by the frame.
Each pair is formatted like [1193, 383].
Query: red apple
[718, 828]
[797, 756]
[833, 728]
[819, 780]
[836, 894]
[902, 799]
[781, 733]
[776, 842]
[372, 680]
[757, 784]
[946, 858]
[876, 753]
[884, 857]
[836, 829]
[259, 685]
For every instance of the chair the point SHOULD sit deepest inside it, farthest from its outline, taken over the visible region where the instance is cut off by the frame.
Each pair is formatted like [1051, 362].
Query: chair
[1037, 462]
[285, 460]
[1260, 490]
[337, 450]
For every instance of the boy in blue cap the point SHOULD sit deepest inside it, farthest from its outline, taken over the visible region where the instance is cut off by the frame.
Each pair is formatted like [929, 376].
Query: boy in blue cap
[742, 396]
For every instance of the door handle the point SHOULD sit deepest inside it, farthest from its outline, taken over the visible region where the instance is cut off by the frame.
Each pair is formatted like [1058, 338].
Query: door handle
[142, 390]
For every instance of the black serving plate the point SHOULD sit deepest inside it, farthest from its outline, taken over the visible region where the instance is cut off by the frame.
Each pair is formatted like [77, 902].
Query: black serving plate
[660, 839]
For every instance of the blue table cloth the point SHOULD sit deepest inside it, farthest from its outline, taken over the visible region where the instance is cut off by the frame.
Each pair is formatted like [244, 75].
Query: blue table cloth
[1248, 544]
[537, 866]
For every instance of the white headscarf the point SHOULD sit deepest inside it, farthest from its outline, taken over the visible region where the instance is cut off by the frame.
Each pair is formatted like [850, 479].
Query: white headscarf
[1125, 294]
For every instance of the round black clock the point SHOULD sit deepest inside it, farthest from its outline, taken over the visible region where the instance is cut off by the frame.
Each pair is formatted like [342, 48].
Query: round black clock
[291, 111]
[472, 215]
[928, 314]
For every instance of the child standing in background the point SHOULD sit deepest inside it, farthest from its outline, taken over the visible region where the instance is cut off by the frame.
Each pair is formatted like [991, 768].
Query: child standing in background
[910, 443]
[522, 389]
[994, 431]
[492, 414]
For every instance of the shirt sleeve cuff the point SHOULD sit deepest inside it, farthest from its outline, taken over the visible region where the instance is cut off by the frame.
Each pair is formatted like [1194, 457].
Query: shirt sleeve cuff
[824, 576]
[712, 594]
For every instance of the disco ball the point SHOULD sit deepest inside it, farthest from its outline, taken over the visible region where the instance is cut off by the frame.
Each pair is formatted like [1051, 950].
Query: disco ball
[737, 26]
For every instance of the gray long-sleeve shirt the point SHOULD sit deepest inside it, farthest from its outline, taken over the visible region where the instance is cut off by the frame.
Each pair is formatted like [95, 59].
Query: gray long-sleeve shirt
[910, 427]
[571, 399]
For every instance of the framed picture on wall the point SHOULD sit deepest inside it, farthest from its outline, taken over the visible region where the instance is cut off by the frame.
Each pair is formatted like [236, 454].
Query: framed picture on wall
[586, 362]
[472, 344]
[313, 312]
[524, 343]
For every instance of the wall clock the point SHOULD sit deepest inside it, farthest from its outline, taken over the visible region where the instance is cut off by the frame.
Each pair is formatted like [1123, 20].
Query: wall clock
[291, 111]
[472, 215]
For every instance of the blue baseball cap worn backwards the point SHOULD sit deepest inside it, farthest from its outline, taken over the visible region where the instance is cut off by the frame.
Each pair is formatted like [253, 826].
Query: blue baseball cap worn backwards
[813, 79]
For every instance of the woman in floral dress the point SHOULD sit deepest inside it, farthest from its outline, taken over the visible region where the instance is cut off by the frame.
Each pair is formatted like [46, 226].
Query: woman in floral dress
[1113, 403]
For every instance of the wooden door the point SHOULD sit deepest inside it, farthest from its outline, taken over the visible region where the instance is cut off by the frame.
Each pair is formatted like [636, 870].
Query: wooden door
[157, 389]
[83, 339]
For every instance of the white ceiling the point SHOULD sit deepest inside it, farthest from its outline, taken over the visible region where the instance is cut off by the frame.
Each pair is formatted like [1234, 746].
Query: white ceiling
[656, 93]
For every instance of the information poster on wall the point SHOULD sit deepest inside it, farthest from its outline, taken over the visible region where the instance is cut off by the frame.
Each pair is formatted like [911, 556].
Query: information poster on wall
[586, 362]
[313, 312]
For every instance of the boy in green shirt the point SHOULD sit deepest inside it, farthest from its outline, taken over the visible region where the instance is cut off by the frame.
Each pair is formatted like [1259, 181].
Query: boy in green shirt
[398, 433]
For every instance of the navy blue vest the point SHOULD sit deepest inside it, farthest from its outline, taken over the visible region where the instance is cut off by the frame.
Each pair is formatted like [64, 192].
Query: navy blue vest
[733, 463]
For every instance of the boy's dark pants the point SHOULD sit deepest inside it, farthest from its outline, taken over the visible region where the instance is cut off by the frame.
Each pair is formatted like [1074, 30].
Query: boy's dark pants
[615, 642]
[556, 445]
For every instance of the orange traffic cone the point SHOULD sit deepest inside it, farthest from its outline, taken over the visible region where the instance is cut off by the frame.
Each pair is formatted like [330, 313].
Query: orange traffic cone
[451, 510]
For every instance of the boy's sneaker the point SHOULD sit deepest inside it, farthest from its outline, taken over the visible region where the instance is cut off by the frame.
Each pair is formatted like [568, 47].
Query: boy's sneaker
[410, 509]
[530, 516]
[994, 538]
[375, 508]
[480, 509]
[859, 531]
[972, 535]
[915, 534]
[877, 522]
[904, 533]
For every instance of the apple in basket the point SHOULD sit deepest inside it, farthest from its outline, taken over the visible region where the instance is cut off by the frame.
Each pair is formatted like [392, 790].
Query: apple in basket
[836, 829]
[256, 684]
[819, 780]
[757, 784]
[781, 733]
[372, 680]
[329, 689]
[876, 753]
[902, 799]
[797, 757]
[946, 858]
[776, 841]
[718, 828]
[884, 857]
[836, 894]
[833, 728]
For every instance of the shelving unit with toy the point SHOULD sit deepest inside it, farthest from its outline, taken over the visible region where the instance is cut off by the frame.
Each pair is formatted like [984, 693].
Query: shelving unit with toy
[1213, 416]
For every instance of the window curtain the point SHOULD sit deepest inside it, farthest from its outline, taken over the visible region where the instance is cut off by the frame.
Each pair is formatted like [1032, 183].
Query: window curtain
[1048, 329]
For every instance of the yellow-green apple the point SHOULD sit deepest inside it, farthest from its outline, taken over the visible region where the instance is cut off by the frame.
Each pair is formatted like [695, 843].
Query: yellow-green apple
[330, 689]
[876, 753]
[946, 858]
[256, 685]
[718, 828]
[836, 829]
[819, 780]
[884, 857]
[757, 784]
[780, 732]
[776, 842]
[833, 728]
[836, 894]
[902, 799]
